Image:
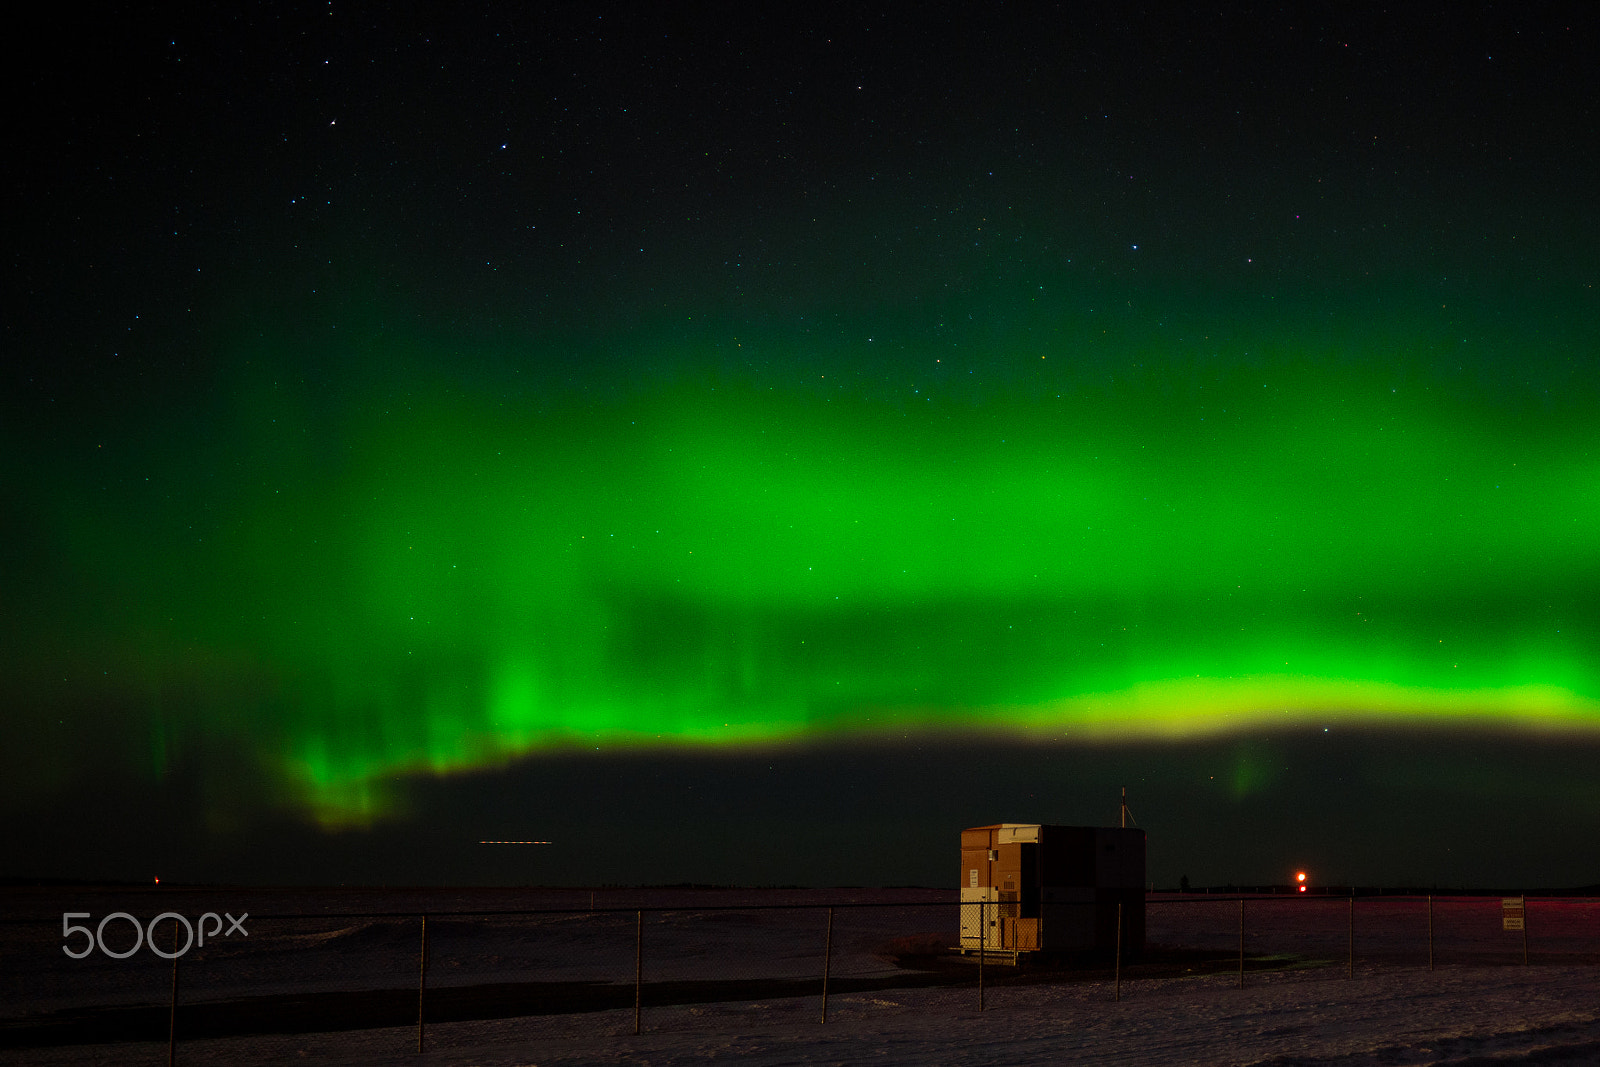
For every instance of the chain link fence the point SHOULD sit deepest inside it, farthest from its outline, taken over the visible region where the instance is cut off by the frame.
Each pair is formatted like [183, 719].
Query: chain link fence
[153, 980]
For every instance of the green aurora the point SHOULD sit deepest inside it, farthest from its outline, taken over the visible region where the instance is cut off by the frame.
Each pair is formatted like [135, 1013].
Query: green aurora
[450, 574]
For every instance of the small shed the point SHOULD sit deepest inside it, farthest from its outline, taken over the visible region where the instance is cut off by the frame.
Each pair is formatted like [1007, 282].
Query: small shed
[1028, 887]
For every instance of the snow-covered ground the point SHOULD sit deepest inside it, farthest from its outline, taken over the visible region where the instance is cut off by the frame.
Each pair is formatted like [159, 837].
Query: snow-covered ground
[1457, 1015]
[1480, 1005]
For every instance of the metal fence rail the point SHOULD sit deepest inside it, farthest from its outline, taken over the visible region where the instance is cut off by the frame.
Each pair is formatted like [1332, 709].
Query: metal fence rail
[151, 985]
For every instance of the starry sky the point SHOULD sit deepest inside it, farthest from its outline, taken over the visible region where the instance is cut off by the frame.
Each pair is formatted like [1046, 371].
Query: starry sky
[751, 448]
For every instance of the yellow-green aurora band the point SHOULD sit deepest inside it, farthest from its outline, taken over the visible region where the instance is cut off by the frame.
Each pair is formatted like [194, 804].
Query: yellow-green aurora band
[445, 577]
[1172, 710]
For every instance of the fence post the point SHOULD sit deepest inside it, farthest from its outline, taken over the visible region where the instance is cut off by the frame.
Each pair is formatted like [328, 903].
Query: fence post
[1430, 931]
[422, 979]
[827, 961]
[638, 967]
[1116, 987]
[1241, 942]
[983, 947]
[1350, 967]
[172, 1020]
[1525, 910]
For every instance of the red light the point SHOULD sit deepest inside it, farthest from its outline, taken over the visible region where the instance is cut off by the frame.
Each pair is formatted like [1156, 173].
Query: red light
[1302, 889]
[1300, 876]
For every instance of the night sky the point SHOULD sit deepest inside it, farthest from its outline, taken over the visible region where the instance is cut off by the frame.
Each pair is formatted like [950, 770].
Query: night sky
[752, 448]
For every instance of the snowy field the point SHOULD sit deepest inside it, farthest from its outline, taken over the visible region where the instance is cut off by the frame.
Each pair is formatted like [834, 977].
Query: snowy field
[1182, 1005]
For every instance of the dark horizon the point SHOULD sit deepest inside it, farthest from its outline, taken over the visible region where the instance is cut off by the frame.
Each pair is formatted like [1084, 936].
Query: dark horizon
[1248, 811]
